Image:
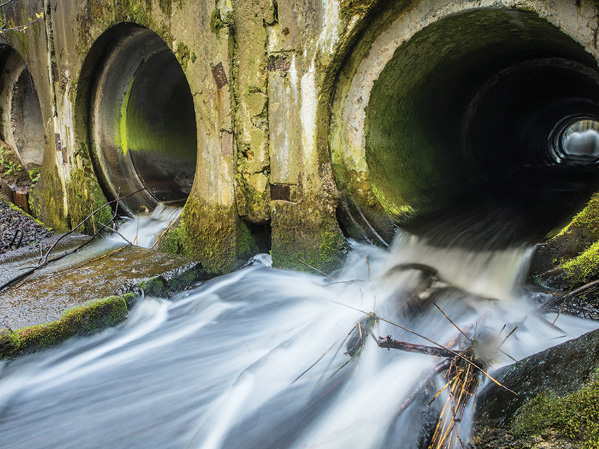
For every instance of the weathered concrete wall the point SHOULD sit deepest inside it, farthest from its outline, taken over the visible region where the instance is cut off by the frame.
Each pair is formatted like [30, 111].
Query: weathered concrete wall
[280, 92]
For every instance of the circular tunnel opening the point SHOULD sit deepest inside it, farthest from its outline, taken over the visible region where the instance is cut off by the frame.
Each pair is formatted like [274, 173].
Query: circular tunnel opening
[488, 114]
[143, 122]
[576, 140]
[22, 124]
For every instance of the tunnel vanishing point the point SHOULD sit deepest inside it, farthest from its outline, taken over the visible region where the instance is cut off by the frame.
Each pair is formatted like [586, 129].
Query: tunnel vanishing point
[287, 125]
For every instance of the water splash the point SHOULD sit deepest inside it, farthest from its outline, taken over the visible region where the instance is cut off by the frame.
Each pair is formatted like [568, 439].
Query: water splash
[144, 229]
[255, 359]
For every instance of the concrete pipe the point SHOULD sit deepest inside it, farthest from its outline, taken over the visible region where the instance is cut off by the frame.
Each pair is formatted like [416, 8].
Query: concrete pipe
[486, 110]
[21, 116]
[142, 121]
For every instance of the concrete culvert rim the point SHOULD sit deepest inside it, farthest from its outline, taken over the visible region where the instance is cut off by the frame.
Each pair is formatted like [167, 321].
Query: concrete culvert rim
[476, 108]
[22, 124]
[142, 122]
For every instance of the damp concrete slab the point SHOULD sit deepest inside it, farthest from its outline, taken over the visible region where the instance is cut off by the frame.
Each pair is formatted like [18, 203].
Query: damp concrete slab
[98, 270]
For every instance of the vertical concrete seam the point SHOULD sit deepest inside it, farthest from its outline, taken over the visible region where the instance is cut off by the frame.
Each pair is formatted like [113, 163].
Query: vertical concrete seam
[48, 27]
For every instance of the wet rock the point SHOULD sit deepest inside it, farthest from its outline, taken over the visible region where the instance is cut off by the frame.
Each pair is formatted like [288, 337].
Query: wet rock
[560, 370]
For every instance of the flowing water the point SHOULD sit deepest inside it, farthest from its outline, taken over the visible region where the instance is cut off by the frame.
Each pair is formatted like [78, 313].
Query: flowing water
[144, 230]
[256, 359]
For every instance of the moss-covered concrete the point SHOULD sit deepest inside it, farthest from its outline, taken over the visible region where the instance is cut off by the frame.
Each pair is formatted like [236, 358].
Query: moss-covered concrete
[414, 123]
[211, 234]
[46, 200]
[85, 196]
[305, 241]
[250, 102]
[80, 320]
[240, 58]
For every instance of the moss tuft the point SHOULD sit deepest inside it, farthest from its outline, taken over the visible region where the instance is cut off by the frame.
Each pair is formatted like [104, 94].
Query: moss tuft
[584, 267]
[351, 8]
[575, 416]
[156, 286]
[184, 55]
[216, 23]
[9, 342]
[587, 219]
[166, 6]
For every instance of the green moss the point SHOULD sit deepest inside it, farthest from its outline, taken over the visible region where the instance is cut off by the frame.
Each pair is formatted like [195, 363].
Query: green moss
[46, 200]
[252, 204]
[211, 234]
[17, 208]
[9, 342]
[575, 416]
[166, 6]
[80, 320]
[156, 286]
[584, 267]
[184, 55]
[84, 195]
[578, 244]
[351, 8]
[216, 23]
[305, 238]
[587, 219]
[246, 243]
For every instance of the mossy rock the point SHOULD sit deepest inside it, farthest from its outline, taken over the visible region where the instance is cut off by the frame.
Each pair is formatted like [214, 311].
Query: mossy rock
[566, 250]
[558, 392]
[165, 286]
[84, 319]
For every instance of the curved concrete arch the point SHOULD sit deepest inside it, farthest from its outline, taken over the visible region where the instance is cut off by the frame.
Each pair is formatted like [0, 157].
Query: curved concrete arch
[21, 123]
[140, 118]
[415, 120]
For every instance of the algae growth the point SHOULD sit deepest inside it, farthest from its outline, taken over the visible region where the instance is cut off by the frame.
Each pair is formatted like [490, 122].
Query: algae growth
[574, 416]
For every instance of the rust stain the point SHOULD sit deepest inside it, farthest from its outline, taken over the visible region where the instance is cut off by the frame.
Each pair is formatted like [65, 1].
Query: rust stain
[220, 76]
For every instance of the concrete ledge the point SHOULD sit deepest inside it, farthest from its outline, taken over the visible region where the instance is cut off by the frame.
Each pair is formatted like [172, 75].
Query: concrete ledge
[84, 319]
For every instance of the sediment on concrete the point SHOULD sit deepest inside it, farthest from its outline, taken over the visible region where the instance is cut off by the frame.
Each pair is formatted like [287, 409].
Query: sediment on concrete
[81, 320]
[88, 290]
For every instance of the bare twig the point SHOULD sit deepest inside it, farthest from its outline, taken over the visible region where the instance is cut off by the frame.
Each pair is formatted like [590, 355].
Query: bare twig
[507, 336]
[44, 260]
[115, 231]
[317, 270]
[388, 343]
[571, 293]
[163, 233]
[86, 219]
[6, 3]
[453, 324]
[495, 381]
[442, 366]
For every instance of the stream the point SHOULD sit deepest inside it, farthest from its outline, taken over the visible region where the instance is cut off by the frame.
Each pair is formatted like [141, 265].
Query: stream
[257, 358]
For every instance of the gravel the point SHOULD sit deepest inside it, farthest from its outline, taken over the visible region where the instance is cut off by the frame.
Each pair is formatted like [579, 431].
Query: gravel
[18, 229]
